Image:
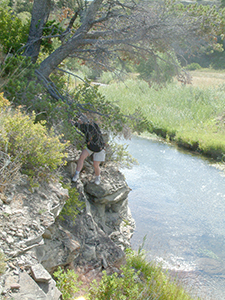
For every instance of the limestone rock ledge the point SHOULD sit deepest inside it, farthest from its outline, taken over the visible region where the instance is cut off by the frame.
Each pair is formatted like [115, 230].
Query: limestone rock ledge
[35, 242]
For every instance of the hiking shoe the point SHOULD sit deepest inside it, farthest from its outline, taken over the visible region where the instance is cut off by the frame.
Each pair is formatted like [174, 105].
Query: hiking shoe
[97, 180]
[75, 178]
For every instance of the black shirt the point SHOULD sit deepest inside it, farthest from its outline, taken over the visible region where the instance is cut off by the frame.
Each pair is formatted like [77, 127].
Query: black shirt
[93, 135]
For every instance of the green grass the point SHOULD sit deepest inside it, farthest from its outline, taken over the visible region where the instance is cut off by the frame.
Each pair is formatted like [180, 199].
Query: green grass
[136, 279]
[139, 280]
[188, 115]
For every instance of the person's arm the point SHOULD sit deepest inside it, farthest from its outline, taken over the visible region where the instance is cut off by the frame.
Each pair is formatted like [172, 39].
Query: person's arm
[74, 123]
[77, 124]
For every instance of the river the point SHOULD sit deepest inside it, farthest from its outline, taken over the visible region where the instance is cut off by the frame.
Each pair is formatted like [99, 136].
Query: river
[178, 203]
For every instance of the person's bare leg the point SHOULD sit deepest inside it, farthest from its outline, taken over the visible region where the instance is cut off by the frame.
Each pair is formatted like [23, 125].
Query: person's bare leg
[97, 167]
[83, 156]
[80, 163]
[97, 172]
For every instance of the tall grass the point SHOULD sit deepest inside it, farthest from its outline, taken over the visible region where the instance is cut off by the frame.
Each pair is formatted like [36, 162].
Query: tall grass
[188, 115]
[139, 280]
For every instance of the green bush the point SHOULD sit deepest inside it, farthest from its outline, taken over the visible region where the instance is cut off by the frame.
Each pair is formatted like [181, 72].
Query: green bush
[38, 150]
[116, 287]
[118, 154]
[20, 86]
[139, 279]
[193, 66]
[51, 28]
[9, 170]
[19, 6]
[67, 283]
[13, 32]
[159, 69]
[72, 206]
[16, 66]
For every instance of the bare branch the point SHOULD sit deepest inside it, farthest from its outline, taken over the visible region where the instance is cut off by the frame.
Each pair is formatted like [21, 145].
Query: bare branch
[49, 85]
[68, 29]
[149, 26]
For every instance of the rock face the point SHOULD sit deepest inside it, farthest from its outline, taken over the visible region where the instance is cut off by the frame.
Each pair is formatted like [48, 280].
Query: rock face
[24, 218]
[36, 242]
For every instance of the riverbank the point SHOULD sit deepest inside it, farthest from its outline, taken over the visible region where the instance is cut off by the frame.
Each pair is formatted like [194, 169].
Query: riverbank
[190, 116]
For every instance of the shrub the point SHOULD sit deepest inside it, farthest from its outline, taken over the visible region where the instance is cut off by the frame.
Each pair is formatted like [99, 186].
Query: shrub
[139, 279]
[193, 66]
[160, 69]
[14, 30]
[67, 283]
[116, 287]
[9, 170]
[38, 150]
[72, 206]
[20, 86]
[13, 33]
[119, 154]
[51, 28]
[3, 102]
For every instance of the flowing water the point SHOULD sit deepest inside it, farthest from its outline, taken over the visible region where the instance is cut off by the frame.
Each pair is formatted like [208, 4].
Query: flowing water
[178, 203]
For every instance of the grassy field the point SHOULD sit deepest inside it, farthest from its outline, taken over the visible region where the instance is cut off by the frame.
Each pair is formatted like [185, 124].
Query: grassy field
[206, 78]
[193, 116]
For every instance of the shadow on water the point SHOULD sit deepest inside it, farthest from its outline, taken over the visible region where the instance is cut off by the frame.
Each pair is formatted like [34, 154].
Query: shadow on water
[178, 203]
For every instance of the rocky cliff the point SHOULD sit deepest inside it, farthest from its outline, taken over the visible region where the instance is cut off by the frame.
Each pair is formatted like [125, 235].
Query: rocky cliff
[35, 241]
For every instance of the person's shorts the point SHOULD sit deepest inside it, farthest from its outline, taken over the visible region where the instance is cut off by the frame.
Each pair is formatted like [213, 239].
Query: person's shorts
[97, 156]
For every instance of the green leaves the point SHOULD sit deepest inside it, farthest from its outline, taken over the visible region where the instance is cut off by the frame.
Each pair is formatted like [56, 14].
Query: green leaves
[73, 205]
[51, 29]
[38, 149]
[137, 279]
[117, 287]
[13, 33]
[67, 283]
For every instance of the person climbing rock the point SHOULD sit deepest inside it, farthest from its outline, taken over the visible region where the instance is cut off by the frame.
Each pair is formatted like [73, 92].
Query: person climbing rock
[94, 145]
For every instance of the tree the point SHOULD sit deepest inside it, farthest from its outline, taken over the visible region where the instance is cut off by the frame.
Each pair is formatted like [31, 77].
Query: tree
[124, 30]
[101, 32]
[40, 14]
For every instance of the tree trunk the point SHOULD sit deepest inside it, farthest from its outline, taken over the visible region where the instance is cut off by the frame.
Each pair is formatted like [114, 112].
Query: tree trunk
[54, 59]
[40, 13]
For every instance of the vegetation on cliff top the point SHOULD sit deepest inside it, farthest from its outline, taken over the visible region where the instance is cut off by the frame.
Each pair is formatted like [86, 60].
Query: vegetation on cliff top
[137, 279]
[26, 146]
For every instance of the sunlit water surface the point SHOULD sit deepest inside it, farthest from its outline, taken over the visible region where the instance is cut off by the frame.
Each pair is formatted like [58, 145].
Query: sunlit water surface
[178, 203]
